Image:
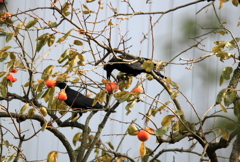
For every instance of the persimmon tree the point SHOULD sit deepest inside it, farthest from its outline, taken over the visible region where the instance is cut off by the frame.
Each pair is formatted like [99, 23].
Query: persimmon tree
[87, 46]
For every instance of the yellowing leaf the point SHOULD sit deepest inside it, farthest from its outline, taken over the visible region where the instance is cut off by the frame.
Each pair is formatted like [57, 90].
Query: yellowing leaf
[52, 156]
[47, 72]
[43, 111]
[31, 112]
[51, 40]
[18, 27]
[167, 120]
[161, 131]
[65, 8]
[221, 95]
[100, 97]
[148, 65]
[224, 133]
[142, 149]
[24, 108]
[31, 23]
[174, 94]
[9, 36]
[3, 56]
[63, 57]
[132, 130]
[122, 96]
[76, 138]
[110, 23]
[230, 97]
[223, 108]
[44, 127]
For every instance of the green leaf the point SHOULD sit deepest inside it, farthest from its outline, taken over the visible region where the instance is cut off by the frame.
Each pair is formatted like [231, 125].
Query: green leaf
[78, 42]
[31, 23]
[76, 138]
[51, 24]
[167, 120]
[161, 131]
[9, 36]
[64, 37]
[130, 106]
[63, 56]
[230, 97]
[65, 8]
[148, 65]
[41, 43]
[179, 112]
[237, 108]
[3, 91]
[12, 56]
[221, 95]
[6, 143]
[3, 56]
[110, 145]
[226, 72]
[221, 80]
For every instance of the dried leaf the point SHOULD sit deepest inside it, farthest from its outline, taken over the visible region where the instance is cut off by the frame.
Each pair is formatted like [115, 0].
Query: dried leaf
[52, 156]
[142, 149]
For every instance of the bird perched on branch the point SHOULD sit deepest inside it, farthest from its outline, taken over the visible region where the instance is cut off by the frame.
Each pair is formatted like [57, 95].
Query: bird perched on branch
[76, 100]
[131, 69]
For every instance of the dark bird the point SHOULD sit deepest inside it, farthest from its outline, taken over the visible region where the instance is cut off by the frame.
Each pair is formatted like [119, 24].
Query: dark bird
[132, 69]
[76, 100]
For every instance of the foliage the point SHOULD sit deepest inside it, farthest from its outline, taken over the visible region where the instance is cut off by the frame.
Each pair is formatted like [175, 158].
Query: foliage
[86, 49]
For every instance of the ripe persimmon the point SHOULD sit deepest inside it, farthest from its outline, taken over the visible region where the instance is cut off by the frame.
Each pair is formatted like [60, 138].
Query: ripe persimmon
[50, 83]
[112, 87]
[11, 77]
[14, 70]
[138, 89]
[62, 96]
[143, 135]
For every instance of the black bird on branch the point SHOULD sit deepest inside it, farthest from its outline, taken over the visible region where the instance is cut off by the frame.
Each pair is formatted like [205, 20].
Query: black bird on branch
[131, 69]
[76, 100]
